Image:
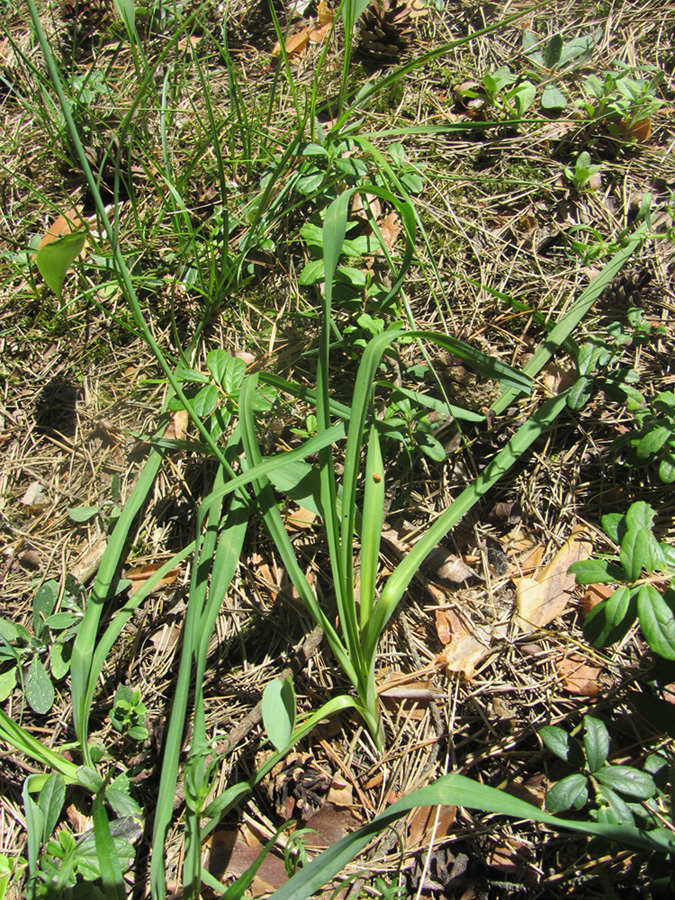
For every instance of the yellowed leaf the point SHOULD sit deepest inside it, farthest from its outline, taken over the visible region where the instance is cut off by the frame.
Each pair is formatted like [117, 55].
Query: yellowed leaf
[295, 45]
[390, 227]
[319, 35]
[541, 598]
[176, 430]
[325, 13]
[465, 649]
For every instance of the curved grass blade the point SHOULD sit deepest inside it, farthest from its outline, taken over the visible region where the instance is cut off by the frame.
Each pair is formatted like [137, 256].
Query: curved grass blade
[455, 790]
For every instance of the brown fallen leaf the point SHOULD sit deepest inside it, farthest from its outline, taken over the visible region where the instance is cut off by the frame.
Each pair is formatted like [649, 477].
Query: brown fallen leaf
[508, 855]
[594, 594]
[340, 793]
[300, 518]
[577, 676]
[466, 648]
[70, 221]
[390, 228]
[427, 822]
[330, 824]
[166, 638]
[542, 598]
[231, 851]
[176, 430]
[140, 574]
[295, 45]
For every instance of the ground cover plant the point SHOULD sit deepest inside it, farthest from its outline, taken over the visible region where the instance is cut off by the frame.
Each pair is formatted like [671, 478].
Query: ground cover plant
[337, 442]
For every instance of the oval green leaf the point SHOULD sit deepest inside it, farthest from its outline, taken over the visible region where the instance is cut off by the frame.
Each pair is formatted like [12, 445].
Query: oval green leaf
[278, 711]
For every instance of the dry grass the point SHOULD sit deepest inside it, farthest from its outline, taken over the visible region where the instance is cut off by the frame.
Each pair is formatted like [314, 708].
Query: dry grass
[78, 394]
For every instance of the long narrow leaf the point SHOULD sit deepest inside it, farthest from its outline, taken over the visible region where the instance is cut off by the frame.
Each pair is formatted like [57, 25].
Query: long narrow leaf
[455, 790]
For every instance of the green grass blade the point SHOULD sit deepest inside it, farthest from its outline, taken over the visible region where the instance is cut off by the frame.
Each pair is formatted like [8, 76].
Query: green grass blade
[454, 790]
[82, 657]
[371, 529]
[23, 741]
[106, 854]
[403, 574]
[275, 526]
[562, 331]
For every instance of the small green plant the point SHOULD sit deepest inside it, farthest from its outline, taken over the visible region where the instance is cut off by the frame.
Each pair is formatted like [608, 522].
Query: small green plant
[644, 569]
[622, 99]
[652, 441]
[128, 713]
[39, 658]
[557, 56]
[583, 171]
[57, 863]
[599, 361]
[509, 92]
[612, 793]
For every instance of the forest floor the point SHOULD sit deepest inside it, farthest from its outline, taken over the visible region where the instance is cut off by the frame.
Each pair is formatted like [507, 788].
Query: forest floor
[513, 224]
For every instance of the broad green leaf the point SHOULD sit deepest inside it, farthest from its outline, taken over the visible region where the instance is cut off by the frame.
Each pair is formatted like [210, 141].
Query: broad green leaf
[657, 620]
[62, 620]
[44, 602]
[651, 443]
[39, 688]
[205, 401]
[596, 742]
[8, 631]
[279, 711]
[610, 621]
[216, 363]
[50, 801]
[81, 514]
[7, 683]
[614, 525]
[59, 659]
[595, 571]
[614, 809]
[233, 376]
[553, 51]
[553, 98]
[667, 469]
[54, 259]
[635, 553]
[562, 744]
[627, 780]
[640, 515]
[523, 95]
[569, 793]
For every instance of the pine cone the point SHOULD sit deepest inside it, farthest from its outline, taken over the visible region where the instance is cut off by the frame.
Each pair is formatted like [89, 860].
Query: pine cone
[387, 27]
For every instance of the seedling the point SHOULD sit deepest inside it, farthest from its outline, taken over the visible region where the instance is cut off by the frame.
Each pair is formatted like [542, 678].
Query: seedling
[624, 100]
[128, 713]
[510, 92]
[583, 173]
[610, 791]
[644, 569]
[652, 441]
[38, 659]
[557, 56]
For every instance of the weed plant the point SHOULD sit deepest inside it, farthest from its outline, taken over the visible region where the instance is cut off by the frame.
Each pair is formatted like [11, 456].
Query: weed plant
[319, 170]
